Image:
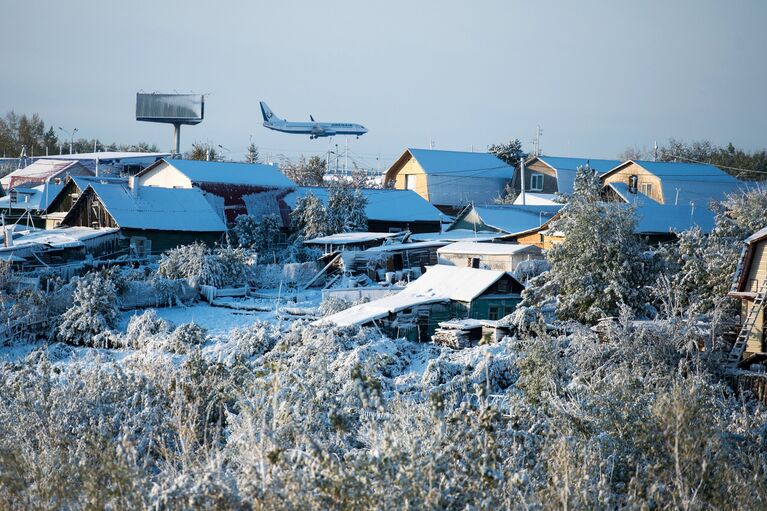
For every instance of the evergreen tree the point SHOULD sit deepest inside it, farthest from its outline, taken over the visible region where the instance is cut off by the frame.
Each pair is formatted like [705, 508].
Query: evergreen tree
[511, 153]
[600, 264]
[253, 156]
[309, 218]
[94, 313]
[346, 211]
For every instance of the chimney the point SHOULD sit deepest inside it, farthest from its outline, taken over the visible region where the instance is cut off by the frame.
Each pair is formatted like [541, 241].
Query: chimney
[133, 185]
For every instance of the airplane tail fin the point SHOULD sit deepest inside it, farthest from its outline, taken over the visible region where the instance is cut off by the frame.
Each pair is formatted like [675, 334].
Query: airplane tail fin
[267, 113]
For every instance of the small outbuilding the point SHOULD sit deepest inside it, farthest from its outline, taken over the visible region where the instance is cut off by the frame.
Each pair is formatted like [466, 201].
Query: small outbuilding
[487, 256]
[441, 294]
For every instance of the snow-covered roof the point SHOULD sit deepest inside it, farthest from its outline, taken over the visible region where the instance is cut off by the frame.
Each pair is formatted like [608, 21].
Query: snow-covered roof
[566, 168]
[40, 170]
[387, 205]
[59, 238]
[40, 197]
[347, 238]
[537, 199]
[653, 217]
[392, 247]
[757, 236]
[106, 155]
[469, 247]
[513, 219]
[440, 283]
[461, 163]
[165, 209]
[253, 174]
[456, 235]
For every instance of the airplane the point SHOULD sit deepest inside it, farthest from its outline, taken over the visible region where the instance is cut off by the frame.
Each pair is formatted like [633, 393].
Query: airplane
[314, 128]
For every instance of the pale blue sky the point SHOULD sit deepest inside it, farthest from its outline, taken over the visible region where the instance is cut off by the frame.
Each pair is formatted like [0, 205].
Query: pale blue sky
[597, 76]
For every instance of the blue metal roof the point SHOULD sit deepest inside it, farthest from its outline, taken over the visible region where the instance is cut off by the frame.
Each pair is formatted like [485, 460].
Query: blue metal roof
[461, 163]
[514, 219]
[255, 174]
[655, 218]
[382, 204]
[566, 168]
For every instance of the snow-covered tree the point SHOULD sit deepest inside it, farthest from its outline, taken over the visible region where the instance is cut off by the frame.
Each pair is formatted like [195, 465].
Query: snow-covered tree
[346, 211]
[600, 263]
[90, 320]
[200, 265]
[306, 173]
[511, 153]
[309, 217]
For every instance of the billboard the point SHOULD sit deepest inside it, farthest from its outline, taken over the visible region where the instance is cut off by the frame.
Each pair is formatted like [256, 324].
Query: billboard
[170, 108]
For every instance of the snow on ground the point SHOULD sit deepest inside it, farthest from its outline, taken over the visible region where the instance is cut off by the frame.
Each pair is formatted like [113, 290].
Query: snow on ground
[219, 321]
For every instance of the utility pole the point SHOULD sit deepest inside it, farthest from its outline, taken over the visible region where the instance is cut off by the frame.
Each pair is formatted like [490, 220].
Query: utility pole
[346, 156]
[538, 134]
[522, 176]
[655, 151]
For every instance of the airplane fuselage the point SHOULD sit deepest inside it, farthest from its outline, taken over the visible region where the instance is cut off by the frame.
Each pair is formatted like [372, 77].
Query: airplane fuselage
[314, 128]
[318, 129]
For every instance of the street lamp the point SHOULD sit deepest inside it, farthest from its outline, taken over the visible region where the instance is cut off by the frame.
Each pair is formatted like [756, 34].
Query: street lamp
[71, 137]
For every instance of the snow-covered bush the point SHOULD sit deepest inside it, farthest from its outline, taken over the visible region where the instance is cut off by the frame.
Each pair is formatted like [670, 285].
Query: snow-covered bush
[145, 328]
[333, 304]
[257, 339]
[199, 265]
[524, 321]
[94, 314]
[185, 337]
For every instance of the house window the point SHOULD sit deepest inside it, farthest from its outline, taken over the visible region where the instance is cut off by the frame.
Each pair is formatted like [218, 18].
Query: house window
[492, 313]
[409, 182]
[503, 287]
[536, 182]
[633, 183]
[646, 188]
[475, 262]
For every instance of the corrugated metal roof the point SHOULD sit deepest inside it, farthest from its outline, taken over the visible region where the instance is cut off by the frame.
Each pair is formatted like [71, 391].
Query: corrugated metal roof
[40, 170]
[439, 283]
[165, 209]
[461, 163]
[513, 219]
[655, 218]
[386, 205]
[253, 174]
[567, 167]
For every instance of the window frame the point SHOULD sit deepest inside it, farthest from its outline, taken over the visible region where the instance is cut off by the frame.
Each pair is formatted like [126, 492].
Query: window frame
[535, 176]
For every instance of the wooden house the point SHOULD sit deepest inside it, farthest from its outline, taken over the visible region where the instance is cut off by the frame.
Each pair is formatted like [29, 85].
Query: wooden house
[441, 294]
[151, 217]
[750, 287]
[60, 203]
[669, 197]
[233, 189]
[546, 176]
[488, 256]
[450, 179]
[386, 210]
